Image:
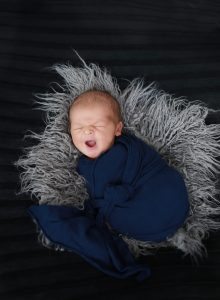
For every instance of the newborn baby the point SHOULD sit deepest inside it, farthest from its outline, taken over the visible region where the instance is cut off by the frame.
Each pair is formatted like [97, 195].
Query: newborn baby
[95, 121]
[131, 187]
[132, 191]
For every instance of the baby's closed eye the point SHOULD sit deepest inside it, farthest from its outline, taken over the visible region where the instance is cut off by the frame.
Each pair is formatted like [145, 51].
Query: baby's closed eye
[77, 128]
[97, 126]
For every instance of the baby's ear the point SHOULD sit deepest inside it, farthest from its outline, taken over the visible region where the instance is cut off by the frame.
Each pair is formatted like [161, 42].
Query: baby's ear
[119, 128]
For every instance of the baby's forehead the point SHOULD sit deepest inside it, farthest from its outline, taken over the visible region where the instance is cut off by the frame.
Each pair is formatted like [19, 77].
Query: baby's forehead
[101, 100]
[93, 99]
[93, 96]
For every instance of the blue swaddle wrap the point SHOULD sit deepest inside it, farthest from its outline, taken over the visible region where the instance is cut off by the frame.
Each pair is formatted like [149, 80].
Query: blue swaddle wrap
[76, 231]
[133, 190]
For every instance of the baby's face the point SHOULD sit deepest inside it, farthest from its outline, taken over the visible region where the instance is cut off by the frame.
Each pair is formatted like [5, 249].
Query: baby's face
[93, 128]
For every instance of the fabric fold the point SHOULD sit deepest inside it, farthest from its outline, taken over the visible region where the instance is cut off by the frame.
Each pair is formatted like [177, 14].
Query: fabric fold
[72, 229]
[113, 195]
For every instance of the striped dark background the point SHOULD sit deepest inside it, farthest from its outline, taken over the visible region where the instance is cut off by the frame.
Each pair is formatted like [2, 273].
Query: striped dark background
[174, 43]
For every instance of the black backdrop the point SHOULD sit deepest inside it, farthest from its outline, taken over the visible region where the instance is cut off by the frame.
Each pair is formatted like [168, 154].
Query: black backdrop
[174, 43]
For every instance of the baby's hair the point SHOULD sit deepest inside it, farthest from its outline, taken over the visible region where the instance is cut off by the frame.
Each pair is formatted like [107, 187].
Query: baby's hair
[94, 93]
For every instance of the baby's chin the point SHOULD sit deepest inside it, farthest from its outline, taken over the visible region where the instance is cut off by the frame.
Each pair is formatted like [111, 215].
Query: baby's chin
[94, 152]
[92, 156]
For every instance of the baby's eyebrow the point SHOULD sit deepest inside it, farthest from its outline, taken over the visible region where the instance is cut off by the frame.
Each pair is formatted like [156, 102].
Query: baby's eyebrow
[98, 121]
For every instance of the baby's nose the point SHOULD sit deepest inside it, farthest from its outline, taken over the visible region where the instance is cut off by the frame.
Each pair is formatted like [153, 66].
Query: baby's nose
[88, 130]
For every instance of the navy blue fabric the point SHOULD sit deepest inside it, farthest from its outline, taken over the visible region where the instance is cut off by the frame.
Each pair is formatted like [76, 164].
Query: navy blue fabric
[76, 231]
[135, 191]
[132, 191]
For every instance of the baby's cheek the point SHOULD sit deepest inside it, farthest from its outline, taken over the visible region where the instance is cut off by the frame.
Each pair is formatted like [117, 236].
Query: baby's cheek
[75, 136]
[76, 141]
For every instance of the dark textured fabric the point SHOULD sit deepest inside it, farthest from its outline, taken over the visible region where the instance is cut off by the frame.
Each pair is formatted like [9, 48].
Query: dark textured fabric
[175, 43]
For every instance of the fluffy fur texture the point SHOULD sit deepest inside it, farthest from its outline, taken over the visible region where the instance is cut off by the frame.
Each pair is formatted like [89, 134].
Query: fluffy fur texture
[173, 126]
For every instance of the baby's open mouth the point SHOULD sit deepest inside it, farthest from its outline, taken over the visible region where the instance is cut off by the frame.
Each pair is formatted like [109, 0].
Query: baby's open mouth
[90, 143]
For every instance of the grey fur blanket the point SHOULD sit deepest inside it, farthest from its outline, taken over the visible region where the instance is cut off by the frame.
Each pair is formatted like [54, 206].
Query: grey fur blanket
[175, 127]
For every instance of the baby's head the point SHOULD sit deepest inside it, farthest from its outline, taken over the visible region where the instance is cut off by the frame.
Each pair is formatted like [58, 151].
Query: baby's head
[95, 120]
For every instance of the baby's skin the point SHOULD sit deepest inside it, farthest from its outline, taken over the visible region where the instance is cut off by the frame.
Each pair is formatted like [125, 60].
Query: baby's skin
[95, 121]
